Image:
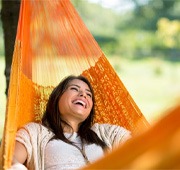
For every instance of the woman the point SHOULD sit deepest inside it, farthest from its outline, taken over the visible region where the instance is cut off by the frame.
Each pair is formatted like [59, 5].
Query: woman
[67, 138]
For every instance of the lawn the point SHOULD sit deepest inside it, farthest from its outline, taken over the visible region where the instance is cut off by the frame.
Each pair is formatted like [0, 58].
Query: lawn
[154, 85]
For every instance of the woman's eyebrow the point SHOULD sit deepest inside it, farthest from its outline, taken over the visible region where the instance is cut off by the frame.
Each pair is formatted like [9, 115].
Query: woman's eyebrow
[74, 85]
[79, 87]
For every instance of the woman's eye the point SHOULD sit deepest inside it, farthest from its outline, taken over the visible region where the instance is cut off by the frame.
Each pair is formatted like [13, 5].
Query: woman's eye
[74, 88]
[89, 94]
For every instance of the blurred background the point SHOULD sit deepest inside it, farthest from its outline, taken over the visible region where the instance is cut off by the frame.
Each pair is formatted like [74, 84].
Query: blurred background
[140, 38]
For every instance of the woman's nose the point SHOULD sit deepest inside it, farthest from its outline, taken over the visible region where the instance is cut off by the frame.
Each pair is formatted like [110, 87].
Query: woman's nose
[82, 94]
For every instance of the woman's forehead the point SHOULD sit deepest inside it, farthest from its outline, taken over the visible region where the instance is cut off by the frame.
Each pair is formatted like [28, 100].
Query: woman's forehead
[79, 83]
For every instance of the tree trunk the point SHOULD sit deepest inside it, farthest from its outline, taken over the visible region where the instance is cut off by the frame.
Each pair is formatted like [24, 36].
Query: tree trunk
[9, 17]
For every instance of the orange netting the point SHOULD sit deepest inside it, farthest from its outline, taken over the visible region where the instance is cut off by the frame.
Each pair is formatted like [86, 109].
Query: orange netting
[51, 43]
[157, 148]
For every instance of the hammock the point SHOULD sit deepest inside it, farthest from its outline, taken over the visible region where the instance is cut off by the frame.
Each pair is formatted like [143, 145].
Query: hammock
[158, 147]
[52, 42]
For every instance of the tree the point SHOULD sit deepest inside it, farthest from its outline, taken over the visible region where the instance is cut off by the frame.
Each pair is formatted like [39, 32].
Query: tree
[147, 14]
[9, 17]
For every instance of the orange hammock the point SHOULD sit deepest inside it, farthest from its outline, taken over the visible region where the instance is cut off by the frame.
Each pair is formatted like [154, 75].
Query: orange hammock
[51, 43]
[157, 148]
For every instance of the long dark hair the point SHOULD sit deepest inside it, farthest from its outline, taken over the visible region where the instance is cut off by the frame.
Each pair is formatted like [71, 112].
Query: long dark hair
[52, 117]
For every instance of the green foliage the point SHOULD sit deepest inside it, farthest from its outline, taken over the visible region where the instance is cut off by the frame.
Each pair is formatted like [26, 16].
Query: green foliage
[147, 15]
[169, 32]
[1, 41]
[134, 33]
[107, 43]
[100, 22]
[133, 43]
[2, 95]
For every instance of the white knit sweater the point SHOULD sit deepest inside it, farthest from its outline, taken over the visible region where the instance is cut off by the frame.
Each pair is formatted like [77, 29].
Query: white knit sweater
[35, 138]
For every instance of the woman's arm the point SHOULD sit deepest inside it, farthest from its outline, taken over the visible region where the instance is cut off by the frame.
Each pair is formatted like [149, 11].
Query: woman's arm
[20, 153]
[19, 157]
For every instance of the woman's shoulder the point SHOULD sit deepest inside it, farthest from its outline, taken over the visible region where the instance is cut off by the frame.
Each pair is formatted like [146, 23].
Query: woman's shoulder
[31, 125]
[109, 129]
[112, 135]
[35, 127]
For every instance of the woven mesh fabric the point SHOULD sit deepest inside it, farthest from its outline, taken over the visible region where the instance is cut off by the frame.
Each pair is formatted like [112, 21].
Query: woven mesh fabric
[156, 148]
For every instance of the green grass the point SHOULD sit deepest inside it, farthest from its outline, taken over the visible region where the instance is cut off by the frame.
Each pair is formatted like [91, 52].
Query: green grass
[154, 85]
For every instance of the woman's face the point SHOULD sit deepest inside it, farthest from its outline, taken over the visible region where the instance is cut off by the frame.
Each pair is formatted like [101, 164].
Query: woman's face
[76, 102]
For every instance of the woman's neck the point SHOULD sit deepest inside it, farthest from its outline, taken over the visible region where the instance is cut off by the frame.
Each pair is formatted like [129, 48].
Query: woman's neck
[71, 127]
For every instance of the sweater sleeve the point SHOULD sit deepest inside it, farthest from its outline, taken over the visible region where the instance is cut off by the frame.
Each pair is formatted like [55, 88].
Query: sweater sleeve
[28, 136]
[112, 135]
[34, 137]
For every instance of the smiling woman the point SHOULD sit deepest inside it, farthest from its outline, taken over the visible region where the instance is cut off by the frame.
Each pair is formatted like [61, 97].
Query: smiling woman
[67, 47]
[76, 100]
[67, 131]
